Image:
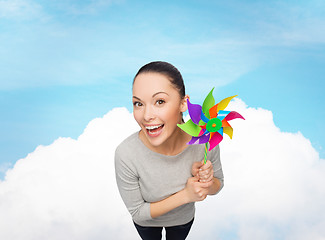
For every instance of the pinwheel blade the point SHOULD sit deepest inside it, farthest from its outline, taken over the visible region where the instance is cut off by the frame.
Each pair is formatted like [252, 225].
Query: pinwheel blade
[228, 131]
[220, 131]
[199, 140]
[203, 131]
[204, 118]
[190, 128]
[224, 103]
[195, 111]
[213, 111]
[222, 114]
[208, 103]
[202, 123]
[215, 140]
[233, 115]
[225, 123]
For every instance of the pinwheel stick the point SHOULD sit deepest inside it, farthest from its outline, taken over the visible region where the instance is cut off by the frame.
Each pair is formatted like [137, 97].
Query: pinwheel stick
[205, 153]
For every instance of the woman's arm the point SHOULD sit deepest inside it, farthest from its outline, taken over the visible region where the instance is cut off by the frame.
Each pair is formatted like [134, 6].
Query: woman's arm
[128, 185]
[215, 186]
[193, 192]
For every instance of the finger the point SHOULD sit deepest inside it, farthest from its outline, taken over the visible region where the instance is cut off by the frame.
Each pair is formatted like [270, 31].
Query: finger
[195, 172]
[210, 172]
[197, 164]
[195, 167]
[202, 197]
[205, 191]
[196, 178]
[206, 178]
[206, 184]
[204, 174]
[200, 194]
[204, 194]
[209, 178]
[206, 166]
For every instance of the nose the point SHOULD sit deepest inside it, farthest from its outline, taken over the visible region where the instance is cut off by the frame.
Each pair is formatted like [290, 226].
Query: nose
[148, 114]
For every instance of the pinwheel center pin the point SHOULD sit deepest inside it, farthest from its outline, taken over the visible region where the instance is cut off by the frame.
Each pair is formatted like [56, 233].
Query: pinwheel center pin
[214, 125]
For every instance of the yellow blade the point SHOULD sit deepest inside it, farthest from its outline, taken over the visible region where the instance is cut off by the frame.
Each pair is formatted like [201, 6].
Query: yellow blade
[224, 103]
[228, 131]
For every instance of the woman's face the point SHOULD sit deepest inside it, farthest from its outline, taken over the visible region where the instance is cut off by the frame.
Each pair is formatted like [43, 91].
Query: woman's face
[157, 107]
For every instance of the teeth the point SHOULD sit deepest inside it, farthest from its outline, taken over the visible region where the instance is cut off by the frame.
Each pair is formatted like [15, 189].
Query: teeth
[153, 127]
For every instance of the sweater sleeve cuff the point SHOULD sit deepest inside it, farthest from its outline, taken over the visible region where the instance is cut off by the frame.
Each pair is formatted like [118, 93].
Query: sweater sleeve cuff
[143, 214]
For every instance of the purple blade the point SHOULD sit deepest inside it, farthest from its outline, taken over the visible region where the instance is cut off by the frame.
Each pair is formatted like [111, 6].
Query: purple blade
[199, 140]
[194, 111]
[232, 115]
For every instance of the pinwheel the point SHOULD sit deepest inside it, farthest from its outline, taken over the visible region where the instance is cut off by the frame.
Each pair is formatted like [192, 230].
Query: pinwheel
[208, 122]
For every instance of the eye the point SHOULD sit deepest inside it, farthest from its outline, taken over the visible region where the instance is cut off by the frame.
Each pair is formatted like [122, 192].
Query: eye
[160, 102]
[137, 104]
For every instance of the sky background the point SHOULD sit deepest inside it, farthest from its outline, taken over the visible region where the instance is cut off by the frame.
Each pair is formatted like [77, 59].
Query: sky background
[65, 63]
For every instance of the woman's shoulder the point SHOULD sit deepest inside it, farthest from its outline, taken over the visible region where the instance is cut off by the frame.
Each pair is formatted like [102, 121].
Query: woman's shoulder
[128, 145]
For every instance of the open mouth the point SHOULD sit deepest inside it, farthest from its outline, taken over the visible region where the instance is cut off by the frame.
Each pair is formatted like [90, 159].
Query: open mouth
[154, 131]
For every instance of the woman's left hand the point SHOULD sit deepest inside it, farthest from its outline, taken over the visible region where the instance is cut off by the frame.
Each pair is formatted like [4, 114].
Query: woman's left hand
[203, 171]
[206, 172]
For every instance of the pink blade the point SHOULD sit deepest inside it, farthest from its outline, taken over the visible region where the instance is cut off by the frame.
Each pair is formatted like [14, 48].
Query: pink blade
[233, 115]
[215, 140]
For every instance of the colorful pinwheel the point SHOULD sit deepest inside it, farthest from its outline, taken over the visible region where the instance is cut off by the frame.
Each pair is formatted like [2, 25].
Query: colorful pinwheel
[209, 121]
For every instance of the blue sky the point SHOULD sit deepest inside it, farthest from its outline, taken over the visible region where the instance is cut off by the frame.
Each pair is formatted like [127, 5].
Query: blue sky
[64, 63]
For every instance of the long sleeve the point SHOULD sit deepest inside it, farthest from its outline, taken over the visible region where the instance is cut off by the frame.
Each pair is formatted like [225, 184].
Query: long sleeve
[217, 168]
[128, 185]
[144, 177]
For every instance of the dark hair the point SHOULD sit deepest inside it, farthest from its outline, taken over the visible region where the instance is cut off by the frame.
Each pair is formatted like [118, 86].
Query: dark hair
[168, 70]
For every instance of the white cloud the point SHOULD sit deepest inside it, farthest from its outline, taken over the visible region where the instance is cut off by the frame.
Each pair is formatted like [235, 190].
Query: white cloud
[67, 190]
[4, 167]
[273, 183]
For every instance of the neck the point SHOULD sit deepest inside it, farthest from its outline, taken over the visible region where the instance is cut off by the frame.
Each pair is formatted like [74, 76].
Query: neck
[175, 144]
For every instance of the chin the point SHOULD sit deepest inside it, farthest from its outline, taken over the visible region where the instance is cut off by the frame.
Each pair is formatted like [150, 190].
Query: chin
[157, 139]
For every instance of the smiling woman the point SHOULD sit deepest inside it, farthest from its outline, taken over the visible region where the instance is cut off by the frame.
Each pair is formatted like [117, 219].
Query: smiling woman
[158, 108]
[159, 176]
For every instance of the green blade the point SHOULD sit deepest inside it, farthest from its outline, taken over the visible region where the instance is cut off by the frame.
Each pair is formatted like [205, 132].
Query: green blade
[190, 128]
[208, 103]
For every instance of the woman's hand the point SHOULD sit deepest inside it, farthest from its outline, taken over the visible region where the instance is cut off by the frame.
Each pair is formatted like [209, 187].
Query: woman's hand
[195, 168]
[206, 172]
[203, 171]
[196, 191]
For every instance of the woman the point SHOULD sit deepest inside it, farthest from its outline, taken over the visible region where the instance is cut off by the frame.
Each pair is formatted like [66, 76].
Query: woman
[159, 176]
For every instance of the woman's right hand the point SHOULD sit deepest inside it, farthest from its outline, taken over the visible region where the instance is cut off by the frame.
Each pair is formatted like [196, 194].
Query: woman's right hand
[195, 190]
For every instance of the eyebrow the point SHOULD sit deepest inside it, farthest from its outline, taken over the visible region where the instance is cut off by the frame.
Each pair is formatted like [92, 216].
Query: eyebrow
[152, 95]
[159, 93]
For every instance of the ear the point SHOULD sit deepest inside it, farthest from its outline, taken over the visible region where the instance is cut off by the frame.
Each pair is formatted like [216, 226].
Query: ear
[183, 107]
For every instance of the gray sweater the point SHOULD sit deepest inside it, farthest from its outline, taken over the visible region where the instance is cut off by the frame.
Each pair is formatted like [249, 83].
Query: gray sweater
[144, 176]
